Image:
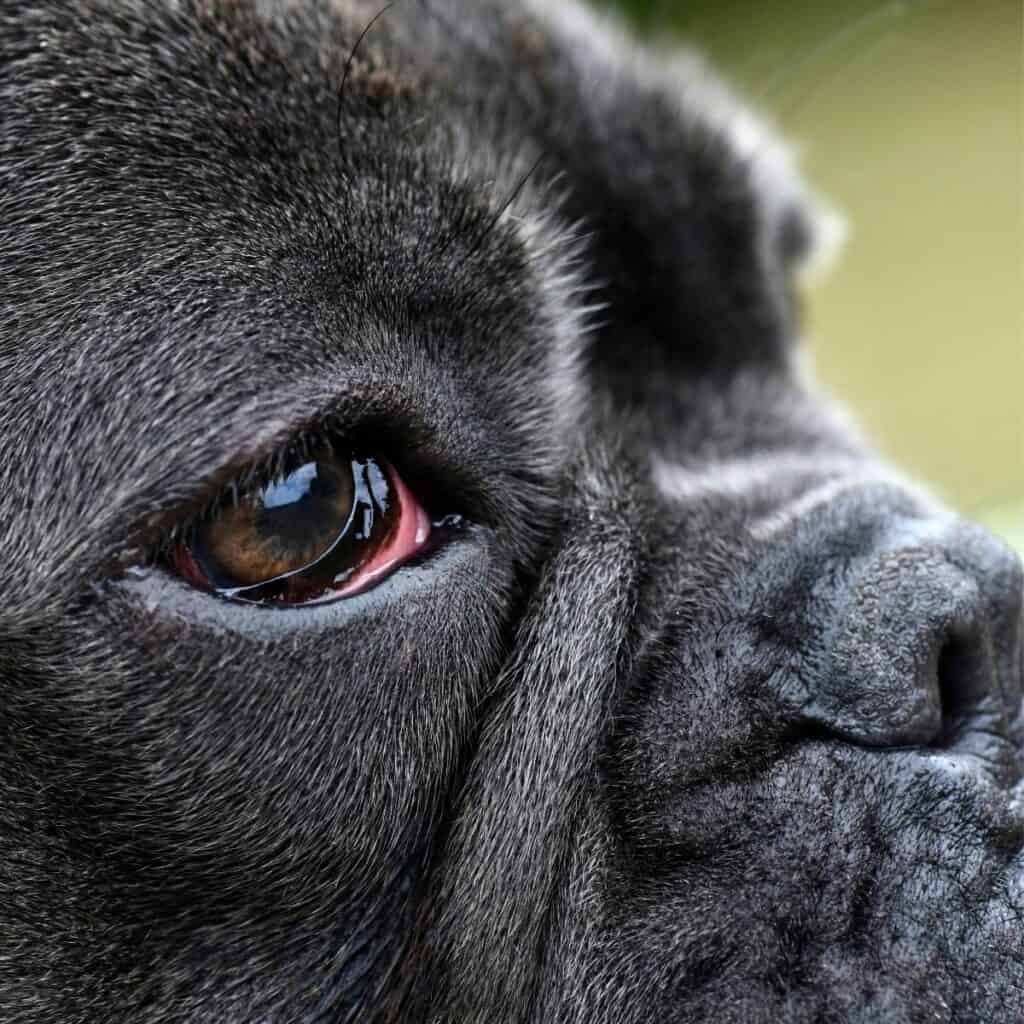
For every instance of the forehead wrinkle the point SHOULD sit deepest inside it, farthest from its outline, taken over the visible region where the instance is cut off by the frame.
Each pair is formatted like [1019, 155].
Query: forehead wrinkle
[798, 484]
[738, 478]
[867, 476]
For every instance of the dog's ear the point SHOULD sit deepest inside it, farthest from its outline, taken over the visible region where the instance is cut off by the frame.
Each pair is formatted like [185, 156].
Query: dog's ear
[701, 218]
[698, 219]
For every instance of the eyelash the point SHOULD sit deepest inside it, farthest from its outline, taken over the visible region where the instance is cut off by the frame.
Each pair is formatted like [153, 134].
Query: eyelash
[255, 475]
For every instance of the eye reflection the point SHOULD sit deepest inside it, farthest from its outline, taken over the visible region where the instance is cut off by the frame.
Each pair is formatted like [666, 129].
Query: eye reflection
[291, 489]
[326, 529]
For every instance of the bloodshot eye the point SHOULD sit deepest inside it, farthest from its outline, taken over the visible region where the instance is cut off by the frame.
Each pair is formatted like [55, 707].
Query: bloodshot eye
[327, 529]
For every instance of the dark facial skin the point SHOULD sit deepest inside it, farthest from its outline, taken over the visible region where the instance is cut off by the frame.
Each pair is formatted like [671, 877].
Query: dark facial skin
[701, 713]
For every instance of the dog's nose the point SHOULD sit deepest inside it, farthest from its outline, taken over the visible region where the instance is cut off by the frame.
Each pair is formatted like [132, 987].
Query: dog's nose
[920, 640]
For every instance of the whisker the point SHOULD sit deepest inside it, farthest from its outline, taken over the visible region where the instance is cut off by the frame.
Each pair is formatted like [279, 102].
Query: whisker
[414, 124]
[853, 30]
[351, 60]
[503, 209]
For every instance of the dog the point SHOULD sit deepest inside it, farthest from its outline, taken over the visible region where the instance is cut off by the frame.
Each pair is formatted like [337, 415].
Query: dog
[434, 588]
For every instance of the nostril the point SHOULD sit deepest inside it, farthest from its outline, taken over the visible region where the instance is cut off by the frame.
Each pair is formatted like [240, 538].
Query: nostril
[999, 576]
[958, 675]
[974, 720]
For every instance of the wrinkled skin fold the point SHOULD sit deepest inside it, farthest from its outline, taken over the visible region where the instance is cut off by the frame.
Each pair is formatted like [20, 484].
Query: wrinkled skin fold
[706, 714]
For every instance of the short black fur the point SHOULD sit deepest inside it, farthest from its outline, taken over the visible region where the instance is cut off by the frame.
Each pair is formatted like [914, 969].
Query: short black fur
[704, 715]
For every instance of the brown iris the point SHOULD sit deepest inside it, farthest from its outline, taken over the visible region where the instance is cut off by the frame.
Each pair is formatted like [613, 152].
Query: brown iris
[300, 537]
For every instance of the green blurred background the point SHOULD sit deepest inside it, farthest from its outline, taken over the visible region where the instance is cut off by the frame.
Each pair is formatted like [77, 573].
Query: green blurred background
[910, 119]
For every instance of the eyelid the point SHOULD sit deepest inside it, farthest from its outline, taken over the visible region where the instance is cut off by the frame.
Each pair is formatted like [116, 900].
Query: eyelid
[157, 512]
[416, 523]
[167, 513]
[151, 593]
[434, 445]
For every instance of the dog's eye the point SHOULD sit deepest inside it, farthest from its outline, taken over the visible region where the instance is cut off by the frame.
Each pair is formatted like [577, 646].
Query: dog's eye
[328, 528]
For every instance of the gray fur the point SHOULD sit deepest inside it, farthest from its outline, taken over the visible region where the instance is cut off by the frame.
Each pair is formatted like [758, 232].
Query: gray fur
[707, 715]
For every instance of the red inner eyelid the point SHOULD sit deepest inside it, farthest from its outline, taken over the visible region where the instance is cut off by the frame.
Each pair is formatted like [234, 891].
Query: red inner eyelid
[184, 562]
[411, 533]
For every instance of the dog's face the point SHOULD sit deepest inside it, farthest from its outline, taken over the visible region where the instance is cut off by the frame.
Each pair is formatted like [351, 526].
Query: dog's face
[431, 589]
